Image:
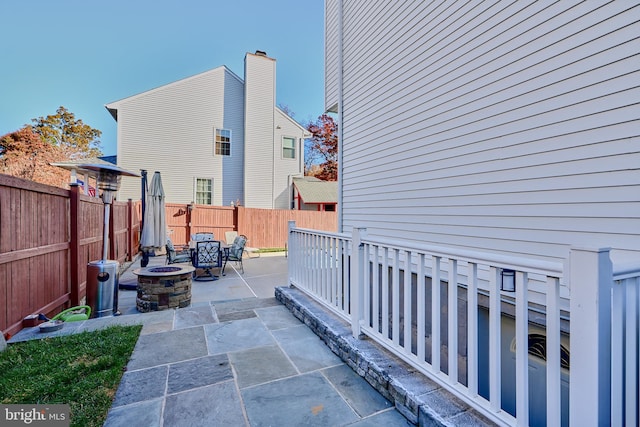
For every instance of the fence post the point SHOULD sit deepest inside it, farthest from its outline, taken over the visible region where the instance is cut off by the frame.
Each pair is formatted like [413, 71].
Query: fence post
[74, 243]
[112, 234]
[591, 280]
[356, 282]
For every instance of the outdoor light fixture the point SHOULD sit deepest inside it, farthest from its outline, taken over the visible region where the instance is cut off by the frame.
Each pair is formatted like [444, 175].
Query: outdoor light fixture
[508, 280]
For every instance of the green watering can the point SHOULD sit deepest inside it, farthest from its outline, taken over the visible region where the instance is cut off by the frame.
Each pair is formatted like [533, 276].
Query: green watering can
[74, 314]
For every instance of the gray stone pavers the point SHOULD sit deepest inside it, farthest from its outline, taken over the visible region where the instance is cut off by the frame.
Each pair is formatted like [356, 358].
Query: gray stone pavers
[214, 405]
[144, 384]
[168, 347]
[237, 335]
[304, 348]
[199, 372]
[383, 419]
[277, 317]
[237, 315]
[363, 398]
[260, 365]
[303, 400]
[147, 413]
[194, 316]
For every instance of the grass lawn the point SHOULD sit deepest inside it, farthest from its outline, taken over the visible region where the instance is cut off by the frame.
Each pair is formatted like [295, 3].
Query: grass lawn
[82, 370]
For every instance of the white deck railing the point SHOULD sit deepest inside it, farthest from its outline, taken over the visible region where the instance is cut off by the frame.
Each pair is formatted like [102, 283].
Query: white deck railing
[625, 363]
[454, 334]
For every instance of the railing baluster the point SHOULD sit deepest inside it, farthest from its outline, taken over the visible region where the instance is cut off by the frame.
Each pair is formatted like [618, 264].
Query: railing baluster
[494, 339]
[339, 279]
[376, 290]
[631, 352]
[435, 314]
[452, 322]
[522, 349]
[554, 402]
[408, 321]
[395, 298]
[346, 290]
[367, 283]
[421, 315]
[472, 329]
[385, 293]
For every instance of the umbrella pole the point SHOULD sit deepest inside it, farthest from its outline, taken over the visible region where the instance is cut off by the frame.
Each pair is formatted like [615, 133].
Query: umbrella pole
[145, 256]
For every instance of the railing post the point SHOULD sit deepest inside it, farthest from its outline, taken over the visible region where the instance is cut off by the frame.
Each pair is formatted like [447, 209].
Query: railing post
[356, 285]
[74, 243]
[292, 254]
[591, 280]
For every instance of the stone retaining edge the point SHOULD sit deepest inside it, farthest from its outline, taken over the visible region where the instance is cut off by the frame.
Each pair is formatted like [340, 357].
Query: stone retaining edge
[422, 401]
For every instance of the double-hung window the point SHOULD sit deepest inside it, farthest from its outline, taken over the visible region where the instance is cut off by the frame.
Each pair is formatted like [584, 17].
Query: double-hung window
[204, 191]
[288, 147]
[222, 142]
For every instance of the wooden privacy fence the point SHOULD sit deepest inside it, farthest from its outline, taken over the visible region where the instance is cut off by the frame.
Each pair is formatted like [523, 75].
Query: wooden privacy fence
[48, 235]
[265, 228]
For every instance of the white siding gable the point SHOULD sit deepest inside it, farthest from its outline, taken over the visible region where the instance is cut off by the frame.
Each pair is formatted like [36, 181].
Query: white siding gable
[170, 129]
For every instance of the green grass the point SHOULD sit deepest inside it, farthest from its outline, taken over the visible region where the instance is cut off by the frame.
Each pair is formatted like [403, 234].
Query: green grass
[82, 370]
[267, 250]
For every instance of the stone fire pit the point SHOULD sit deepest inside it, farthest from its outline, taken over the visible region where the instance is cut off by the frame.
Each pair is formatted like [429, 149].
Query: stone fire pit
[161, 288]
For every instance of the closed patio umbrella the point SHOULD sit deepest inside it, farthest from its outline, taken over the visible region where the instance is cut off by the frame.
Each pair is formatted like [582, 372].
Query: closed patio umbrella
[154, 231]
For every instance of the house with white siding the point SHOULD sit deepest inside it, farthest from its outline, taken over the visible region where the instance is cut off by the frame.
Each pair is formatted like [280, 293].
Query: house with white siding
[215, 138]
[488, 194]
[510, 128]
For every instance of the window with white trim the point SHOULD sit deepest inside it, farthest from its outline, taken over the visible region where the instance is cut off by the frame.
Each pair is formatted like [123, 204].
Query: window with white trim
[288, 147]
[222, 142]
[203, 191]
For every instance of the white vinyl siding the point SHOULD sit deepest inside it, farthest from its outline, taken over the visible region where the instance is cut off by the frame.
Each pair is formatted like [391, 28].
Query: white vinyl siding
[331, 55]
[259, 131]
[285, 168]
[493, 126]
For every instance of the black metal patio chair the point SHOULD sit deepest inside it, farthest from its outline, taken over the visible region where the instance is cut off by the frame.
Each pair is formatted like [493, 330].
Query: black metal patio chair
[206, 256]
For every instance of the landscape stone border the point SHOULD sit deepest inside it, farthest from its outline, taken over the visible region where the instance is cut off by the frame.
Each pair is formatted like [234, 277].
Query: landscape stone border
[420, 400]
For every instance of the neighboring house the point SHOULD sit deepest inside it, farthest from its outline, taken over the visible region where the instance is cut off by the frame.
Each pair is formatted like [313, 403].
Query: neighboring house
[214, 137]
[489, 126]
[313, 194]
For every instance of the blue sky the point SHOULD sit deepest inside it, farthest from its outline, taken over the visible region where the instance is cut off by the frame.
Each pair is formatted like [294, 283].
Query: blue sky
[84, 54]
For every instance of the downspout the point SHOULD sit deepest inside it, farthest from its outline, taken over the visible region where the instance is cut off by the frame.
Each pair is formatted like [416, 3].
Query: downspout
[340, 116]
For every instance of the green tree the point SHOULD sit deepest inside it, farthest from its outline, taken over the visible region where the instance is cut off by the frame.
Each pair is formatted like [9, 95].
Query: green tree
[322, 149]
[76, 139]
